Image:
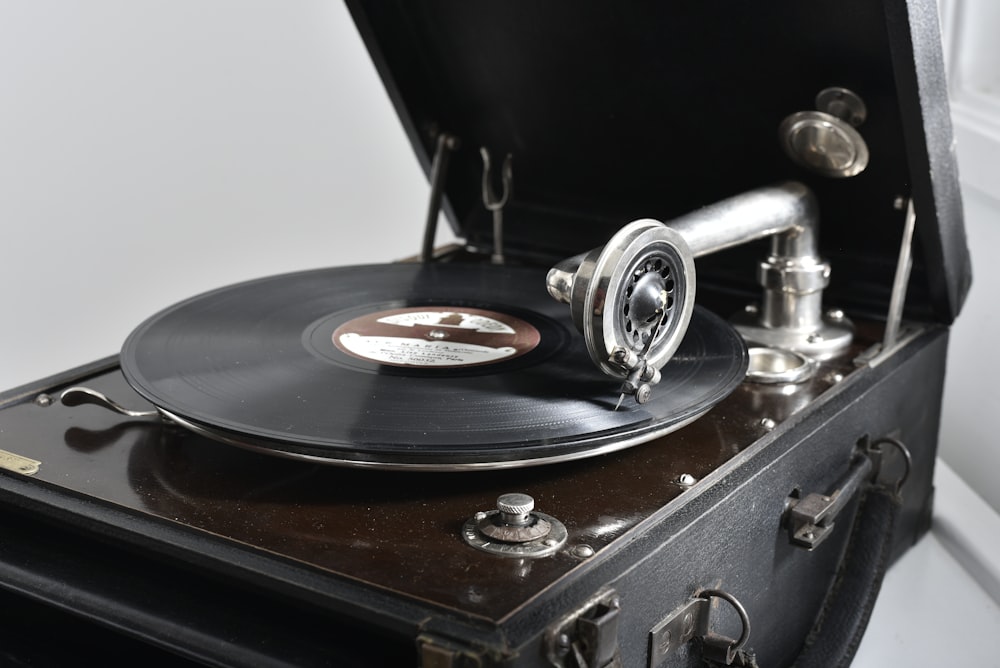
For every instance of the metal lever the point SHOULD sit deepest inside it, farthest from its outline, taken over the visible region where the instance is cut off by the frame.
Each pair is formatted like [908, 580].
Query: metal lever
[899, 283]
[811, 519]
[446, 143]
[496, 204]
[78, 396]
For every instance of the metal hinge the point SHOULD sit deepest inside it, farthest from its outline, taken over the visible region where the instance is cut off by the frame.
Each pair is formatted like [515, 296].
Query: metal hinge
[587, 637]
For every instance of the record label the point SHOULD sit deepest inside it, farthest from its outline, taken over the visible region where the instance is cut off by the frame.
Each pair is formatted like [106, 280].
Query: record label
[436, 336]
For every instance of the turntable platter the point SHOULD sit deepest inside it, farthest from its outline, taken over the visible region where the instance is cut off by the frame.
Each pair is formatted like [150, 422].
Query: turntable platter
[428, 366]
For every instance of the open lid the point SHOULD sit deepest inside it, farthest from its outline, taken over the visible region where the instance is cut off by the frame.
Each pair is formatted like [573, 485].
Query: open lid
[614, 111]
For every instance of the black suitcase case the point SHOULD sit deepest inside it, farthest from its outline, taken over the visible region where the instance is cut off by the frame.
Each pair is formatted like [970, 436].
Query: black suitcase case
[756, 533]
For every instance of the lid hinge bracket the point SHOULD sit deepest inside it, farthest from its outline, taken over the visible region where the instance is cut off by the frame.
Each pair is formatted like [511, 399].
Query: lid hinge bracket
[446, 144]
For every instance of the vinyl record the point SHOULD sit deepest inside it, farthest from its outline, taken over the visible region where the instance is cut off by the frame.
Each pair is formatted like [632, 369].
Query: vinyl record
[430, 366]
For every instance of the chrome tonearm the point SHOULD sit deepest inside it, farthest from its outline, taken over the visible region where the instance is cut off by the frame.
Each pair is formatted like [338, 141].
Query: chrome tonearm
[632, 298]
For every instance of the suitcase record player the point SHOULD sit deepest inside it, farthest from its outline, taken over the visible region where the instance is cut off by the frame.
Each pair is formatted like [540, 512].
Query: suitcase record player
[673, 399]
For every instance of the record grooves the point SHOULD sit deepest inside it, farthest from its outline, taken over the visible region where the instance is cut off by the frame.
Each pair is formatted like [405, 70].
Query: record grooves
[443, 366]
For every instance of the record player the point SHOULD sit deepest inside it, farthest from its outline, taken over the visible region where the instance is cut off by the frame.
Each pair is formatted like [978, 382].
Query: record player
[673, 399]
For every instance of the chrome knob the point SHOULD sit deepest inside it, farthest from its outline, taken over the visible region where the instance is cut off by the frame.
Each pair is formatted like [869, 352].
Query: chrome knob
[515, 508]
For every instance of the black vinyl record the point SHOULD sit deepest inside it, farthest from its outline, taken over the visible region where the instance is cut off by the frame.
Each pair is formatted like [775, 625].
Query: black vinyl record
[430, 366]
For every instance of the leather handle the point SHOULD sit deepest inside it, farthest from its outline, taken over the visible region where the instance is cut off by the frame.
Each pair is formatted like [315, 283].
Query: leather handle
[837, 633]
[838, 630]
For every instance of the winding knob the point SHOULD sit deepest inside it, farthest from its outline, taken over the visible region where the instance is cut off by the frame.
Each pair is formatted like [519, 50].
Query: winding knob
[515, 508]
[514, 529]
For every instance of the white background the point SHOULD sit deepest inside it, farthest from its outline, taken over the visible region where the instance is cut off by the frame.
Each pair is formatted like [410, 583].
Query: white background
[153, 150]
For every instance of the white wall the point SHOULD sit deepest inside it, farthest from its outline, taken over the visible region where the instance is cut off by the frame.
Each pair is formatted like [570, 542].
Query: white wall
[970, 431]
[152, 150]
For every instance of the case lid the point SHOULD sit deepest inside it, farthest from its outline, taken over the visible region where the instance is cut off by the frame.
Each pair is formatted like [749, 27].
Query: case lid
[614, 111]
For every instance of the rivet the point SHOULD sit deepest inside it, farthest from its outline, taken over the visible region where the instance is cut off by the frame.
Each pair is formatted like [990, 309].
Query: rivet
[562, 644]
[665, 642]
[688, 624]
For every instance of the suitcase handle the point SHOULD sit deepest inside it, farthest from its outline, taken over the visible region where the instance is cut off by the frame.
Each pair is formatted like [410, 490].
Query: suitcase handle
[838, 630]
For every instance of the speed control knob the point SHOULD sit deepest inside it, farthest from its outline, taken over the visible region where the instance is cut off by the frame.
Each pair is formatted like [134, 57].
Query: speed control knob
[515, 509]
[515, 529]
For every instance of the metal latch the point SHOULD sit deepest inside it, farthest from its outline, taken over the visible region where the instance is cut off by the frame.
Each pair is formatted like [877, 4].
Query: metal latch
[587, 637]
[694, 620]
[437, 652]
